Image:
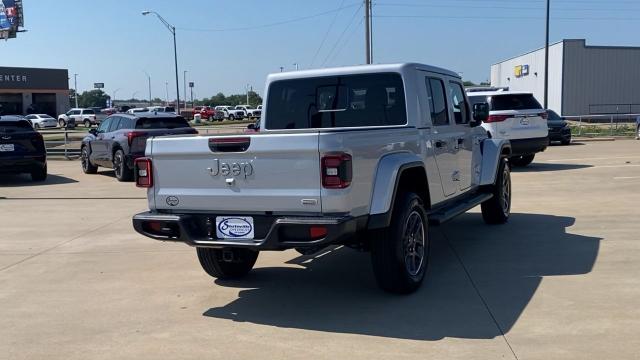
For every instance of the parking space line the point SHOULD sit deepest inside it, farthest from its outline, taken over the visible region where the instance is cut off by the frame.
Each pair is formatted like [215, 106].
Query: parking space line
[62, 243]
[596, 158]
[477, 290]
[626, 177]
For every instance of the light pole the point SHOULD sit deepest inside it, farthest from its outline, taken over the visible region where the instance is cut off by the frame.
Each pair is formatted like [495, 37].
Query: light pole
[113, 99]
[75, 86]
[172, 29]
[281, 68]
[247, 90]
[166, 87]
[184, 80]
[149, 78]
[296, 65]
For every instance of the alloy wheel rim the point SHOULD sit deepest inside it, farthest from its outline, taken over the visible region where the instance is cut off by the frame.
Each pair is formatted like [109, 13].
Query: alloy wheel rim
[118, 165]
[414, 243]
[84, 158]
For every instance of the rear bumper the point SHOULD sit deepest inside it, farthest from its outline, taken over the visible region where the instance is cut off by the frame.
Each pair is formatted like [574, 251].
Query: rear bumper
[19, 165]
[272, 232]
[529, 146]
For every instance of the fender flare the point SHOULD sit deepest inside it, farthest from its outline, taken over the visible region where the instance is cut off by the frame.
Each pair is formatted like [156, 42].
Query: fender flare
[493, 150]
[386, 179]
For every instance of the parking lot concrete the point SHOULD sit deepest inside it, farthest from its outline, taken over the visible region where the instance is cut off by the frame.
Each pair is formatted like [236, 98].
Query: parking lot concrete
[560, 280]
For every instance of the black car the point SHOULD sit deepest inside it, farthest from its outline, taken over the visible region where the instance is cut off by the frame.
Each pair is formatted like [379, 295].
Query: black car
[22, 148]
[558, 128]
[121, 138]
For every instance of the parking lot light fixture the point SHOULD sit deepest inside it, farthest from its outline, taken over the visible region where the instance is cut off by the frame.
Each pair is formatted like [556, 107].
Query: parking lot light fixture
[171, 29]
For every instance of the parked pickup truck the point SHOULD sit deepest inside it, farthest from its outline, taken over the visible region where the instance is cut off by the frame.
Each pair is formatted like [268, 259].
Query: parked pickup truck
[373, 156]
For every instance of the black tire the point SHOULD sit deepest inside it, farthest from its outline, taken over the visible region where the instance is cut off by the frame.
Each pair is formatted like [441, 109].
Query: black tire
[213, 262]
[87, 166]
[400, 253]
[565, 141]
[522, 160]
[40, 174]
[62, 123]
[497, 209]
[123, 173]
[231, 117]
[87, 123]
[36, 126]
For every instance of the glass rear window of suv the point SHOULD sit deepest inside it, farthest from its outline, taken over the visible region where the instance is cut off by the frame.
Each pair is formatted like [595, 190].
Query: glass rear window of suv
[337, 101]
[161, 123]
[514, 102]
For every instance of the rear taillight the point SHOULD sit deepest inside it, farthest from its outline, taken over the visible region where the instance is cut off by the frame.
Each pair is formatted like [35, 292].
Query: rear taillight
[497, 118]
[544, 115]
[134, 134]
[336, 171]
[143, 172]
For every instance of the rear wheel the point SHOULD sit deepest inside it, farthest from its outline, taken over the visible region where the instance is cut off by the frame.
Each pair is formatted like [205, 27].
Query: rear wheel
[36, 126]
[87, 166]
[231, 117]
[400, 253]
[565, 141]
[87, 123]
[62, 123]
[522, 160]
[40, 174]
[227, 263]
[497, 209]
[123, 173]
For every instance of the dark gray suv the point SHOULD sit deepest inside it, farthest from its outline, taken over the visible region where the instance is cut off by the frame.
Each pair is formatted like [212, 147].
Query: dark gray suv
[121, 138]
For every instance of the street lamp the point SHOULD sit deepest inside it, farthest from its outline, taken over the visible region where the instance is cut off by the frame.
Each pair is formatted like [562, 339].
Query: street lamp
[149, 78]
[166, 87]
[75, 85]
[184, 80]
[172, 29]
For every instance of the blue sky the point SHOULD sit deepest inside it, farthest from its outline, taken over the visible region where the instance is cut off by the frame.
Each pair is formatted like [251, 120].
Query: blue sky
[110, 41]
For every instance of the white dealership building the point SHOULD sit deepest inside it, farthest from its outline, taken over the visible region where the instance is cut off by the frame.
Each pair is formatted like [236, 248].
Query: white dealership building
[583, 79]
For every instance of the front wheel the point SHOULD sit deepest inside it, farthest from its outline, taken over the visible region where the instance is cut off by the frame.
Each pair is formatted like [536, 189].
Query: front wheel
[87, 166]
[231, 118]
[123, 173]
[62, 123]
[522, 160]
[87, 123]
[497, 209]
[400, 253]
[227, 263]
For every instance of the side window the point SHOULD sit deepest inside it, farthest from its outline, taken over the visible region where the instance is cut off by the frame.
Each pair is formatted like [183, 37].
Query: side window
[75, 112]
[30, 117]
[125, 123]
[458, 104]
[105, 125]
[114, 124]
[437, 102]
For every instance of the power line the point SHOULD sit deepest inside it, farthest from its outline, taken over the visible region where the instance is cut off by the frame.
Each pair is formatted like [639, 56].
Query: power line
[278, 23]
[326, 34]
[347, 39]
[342, 34]
[505, 17]
[492, 7]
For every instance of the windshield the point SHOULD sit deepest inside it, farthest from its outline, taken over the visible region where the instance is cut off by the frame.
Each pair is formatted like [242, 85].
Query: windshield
[11, 126]
[337, 101]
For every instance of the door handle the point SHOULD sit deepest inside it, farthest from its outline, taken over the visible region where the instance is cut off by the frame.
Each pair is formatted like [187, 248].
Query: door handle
[441, 143]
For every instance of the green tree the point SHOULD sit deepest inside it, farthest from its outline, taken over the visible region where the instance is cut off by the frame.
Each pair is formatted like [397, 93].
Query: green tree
[93, 98]
[468, 83]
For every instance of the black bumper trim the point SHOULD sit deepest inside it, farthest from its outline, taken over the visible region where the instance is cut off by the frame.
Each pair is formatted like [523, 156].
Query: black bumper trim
[193, 233]
[529, 146]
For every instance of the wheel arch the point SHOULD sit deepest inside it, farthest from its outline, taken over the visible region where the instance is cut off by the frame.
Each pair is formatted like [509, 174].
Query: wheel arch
[493, 151]
[396, 173]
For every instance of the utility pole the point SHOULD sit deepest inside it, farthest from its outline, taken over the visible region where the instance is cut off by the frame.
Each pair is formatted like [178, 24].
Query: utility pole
[184, 80]
[546, 61]
[247, 89]
[368, 36]
[166, 87]
[75, 86]
[297, 66]
[191, 89]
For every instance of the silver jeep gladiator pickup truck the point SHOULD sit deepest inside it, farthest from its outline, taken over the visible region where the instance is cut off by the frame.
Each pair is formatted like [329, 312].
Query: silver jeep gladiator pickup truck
[364, 156]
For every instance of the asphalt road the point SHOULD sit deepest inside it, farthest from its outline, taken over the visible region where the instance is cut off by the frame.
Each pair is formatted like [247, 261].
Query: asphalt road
[561, 280]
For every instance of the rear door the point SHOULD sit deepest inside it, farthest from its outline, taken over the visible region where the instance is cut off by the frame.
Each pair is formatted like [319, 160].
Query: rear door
[464, 140]
[445, 135]
[99, 144]
[525, 117]
[279, 173]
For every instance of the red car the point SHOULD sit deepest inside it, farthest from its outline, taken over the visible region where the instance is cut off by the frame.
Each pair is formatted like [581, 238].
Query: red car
[207, 112]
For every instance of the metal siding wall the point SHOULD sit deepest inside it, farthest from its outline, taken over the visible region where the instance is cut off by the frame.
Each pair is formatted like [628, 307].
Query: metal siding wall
[595, 76]
[502, 74]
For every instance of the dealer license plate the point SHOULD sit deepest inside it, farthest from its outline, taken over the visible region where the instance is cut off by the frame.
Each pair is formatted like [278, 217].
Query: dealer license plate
[234, 227]
[7, 147]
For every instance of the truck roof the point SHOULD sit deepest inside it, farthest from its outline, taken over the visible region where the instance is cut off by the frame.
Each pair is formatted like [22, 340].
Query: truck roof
[497, 93]
[359, 69]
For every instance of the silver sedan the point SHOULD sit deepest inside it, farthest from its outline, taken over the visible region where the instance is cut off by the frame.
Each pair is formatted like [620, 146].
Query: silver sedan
[39, 121]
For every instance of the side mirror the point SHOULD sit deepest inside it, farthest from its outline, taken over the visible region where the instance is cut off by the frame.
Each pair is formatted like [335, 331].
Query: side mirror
[480, 113]
[251, 126]
[93, 132]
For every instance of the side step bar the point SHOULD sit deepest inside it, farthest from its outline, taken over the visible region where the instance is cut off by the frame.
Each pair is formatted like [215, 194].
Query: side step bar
[442, 215]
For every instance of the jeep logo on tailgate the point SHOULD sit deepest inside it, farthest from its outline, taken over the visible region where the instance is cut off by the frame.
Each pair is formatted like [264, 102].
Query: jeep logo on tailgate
[234, 169]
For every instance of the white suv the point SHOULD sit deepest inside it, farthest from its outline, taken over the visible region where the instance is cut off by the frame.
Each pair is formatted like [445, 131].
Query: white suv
[517, 117]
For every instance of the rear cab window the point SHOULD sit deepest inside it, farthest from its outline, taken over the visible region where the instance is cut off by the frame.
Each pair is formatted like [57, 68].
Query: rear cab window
[162, 123]
[376, 99]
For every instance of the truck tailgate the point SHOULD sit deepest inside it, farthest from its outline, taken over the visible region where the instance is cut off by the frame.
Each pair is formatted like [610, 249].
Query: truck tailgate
[277, 172]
